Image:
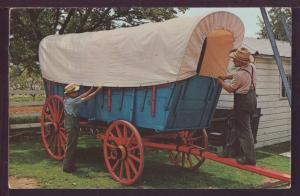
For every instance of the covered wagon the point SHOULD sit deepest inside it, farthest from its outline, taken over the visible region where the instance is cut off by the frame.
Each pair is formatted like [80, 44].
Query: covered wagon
[159, 88]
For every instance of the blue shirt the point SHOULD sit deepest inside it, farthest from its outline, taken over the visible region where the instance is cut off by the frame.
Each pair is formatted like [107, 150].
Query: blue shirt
[72, 105]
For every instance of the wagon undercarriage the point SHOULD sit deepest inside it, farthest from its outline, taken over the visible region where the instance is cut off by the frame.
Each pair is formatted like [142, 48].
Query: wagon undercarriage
[123, 146]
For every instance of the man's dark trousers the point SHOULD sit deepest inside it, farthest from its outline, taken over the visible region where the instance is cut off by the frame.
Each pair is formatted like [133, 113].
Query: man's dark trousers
[72, 130]
[244, 134]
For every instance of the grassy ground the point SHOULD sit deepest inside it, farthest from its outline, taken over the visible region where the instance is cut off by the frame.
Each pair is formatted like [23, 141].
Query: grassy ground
[27, 158]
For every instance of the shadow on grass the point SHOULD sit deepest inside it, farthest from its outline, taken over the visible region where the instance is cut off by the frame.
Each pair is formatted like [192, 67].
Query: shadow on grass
[277, 149]
[270, 151]
[262, 155]
[162, 175]
[32, 151]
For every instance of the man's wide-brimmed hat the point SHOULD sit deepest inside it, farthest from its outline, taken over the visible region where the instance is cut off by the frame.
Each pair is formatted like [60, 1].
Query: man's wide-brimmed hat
[242, 55]
[71, 88]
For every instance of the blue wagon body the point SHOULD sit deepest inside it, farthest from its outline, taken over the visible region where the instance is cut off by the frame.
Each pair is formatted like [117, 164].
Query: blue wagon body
[186, 104]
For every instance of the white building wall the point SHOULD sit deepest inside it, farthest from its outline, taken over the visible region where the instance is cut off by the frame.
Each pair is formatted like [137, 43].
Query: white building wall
[275, 124]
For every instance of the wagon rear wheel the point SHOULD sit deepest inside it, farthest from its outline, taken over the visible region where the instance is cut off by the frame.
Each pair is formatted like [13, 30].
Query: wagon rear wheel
[186, 160]
[52, 127]
[123, 152]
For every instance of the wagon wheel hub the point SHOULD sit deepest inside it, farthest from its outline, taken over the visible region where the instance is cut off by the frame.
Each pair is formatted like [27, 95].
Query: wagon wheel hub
[56, 127]
[123, 152]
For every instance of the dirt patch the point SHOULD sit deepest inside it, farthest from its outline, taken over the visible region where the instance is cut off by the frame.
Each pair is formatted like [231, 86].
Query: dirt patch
[25, 109]
[22, 183]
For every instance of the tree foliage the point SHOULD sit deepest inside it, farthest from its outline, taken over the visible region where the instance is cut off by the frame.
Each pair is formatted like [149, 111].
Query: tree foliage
[276, 24]
[30, 26]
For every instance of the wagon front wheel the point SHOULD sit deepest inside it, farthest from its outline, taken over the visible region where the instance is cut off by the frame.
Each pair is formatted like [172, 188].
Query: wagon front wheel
[197, 139]
[52, 127]
[123, 152]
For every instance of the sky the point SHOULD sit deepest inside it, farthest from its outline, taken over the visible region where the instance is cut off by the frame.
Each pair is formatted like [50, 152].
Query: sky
[249, 16]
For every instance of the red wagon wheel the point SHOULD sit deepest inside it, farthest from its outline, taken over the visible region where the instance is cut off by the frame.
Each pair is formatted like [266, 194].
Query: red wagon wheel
[52, 127]
[123, 152]
[186, 160]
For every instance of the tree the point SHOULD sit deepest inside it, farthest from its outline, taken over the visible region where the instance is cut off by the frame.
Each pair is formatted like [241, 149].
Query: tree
[276, 24]
[30, 26]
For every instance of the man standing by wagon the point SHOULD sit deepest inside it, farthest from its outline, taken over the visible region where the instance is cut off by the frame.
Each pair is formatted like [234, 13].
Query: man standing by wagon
[71, 122]
[243, 85]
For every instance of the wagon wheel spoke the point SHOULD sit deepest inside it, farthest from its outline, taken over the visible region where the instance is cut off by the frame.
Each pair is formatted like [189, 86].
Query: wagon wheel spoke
[63, 139]
[47, 134]
[62, 130]
[132, 166]
[63, 136]
[198, 158]
[58, 145]
[121, 170]
[127, 170]
[51, 141]
[190, 160]
[119, 135]
[60, 113]
[129, 140]
[63, 144]
[133, 157]
[111, 146]
[133, 148]
[51, 111]
[112, 157]
[54, 108]
[49, 117]
[113, 138]
[116, 164]
[178, 158]
[183, 159]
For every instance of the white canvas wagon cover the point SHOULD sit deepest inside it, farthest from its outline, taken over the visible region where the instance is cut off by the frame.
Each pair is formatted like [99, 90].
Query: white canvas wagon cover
[148, 54]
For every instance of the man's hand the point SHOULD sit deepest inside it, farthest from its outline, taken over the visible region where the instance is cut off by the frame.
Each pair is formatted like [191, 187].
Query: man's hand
[222, 77]
[227, 87]
[220, 81]
[90, 96]
[87, 92]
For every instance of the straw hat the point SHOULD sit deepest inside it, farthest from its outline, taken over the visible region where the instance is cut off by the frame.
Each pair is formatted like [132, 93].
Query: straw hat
[71, 88]
[242, 55]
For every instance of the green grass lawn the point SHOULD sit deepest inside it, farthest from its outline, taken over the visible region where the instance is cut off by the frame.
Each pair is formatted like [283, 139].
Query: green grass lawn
[27, 158]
